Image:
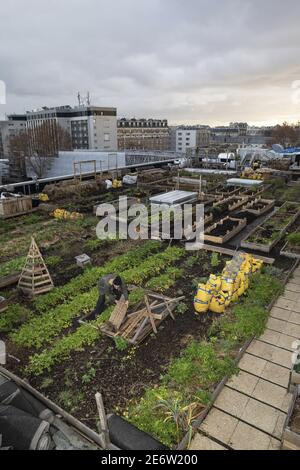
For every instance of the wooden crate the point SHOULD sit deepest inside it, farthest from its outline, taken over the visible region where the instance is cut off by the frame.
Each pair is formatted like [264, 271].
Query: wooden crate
[269, 247]
[15, 206]
[268, 206]
[223, 239]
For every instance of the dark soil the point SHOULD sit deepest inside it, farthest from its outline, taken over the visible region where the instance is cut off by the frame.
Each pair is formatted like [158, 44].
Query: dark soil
[224, 228]
[124, 375]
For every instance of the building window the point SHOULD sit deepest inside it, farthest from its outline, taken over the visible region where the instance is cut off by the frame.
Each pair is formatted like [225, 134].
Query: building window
[106, 137]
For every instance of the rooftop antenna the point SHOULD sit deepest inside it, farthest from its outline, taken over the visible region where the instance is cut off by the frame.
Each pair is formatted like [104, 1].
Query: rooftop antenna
[88, 99]
[79, 99]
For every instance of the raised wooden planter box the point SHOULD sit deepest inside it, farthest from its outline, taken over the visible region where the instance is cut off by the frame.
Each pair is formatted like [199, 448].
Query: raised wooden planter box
[237, 202]
[241, 224]
[289, 254]
[227, 194]
[266, 248]
[15, 206]
[268, 206]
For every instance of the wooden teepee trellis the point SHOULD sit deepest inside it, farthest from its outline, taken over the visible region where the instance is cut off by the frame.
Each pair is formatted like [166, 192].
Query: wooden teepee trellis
[35, 277]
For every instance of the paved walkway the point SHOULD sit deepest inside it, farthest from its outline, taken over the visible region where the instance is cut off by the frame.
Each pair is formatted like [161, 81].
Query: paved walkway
[250, 412]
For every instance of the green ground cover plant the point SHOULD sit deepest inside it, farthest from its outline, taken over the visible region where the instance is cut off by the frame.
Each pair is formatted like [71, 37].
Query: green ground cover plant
[12, 266]
[191, 378]
[89, 278]
[42, 330]
[84, 335]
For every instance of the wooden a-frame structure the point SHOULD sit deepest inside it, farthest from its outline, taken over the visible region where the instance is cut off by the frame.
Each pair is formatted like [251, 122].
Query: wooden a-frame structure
[35, 278]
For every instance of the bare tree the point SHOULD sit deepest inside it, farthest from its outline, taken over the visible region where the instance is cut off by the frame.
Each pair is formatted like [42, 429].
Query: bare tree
[38, 145]
[286, 135]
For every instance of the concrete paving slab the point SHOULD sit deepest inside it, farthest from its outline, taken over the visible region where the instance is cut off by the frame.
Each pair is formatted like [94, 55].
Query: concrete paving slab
[296, 307]
[286, 342]
[292, 329]
[293, 287]
[272, 395]
[246, 437]
[270, 336]
[201, 442]
[295, 318]
[264, 369]
[297, 271]
[280, 313]
[263, 417]
[243, 382]
[276, 325]
[231, 402]
[289, 295]
[287, 328]
[276, 374]
[295, 277]
[270, 353]
[284, 303]
[252, 364]
[219, 425]
[278, 339]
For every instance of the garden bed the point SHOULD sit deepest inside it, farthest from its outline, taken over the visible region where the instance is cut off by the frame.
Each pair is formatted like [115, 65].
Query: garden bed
[179, 366]
[270, 232]
[259, 207]
[290, 251]
[223, 231]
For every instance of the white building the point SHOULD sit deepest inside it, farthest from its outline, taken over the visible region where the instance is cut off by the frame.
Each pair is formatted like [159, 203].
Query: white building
[189, 138]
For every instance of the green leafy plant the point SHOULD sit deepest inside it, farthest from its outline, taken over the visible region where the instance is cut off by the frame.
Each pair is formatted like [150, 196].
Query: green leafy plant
[14, 316]
[214, 260]
[89, 375]
[52, 261]
[181, 308]
[121, 343]
[294, 239]
[12, 266]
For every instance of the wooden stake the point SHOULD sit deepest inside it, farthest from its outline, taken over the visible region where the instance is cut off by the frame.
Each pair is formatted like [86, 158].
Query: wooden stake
[103, 427]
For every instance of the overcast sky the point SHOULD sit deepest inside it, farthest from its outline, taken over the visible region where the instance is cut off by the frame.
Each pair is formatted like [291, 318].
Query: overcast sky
[190, 61]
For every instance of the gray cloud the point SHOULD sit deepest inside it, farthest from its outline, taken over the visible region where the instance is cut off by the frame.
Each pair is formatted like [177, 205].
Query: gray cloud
[204, 61]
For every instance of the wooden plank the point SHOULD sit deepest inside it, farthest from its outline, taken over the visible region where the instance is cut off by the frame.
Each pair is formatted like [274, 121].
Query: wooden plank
[150, 315]
[118, 314]
[9, 280]
[226, 251]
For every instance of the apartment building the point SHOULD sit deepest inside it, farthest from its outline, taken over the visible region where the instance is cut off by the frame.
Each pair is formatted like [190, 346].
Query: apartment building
[9, 128]
[90, 127]
[189, 138]
[143, 134]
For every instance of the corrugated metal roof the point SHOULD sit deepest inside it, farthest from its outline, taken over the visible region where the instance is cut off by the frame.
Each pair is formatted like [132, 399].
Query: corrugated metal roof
[174, 197]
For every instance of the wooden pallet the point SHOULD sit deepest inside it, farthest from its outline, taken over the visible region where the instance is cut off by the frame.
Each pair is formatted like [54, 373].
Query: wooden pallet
[136, 326]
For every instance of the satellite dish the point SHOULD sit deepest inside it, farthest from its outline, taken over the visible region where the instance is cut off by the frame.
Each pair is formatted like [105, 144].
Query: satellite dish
[277, 148]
